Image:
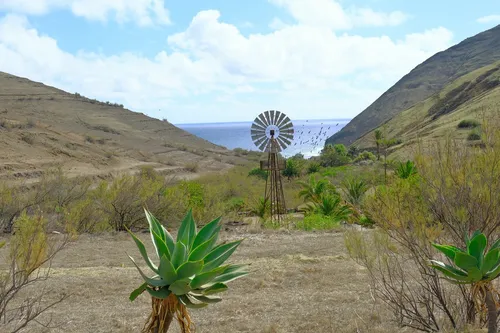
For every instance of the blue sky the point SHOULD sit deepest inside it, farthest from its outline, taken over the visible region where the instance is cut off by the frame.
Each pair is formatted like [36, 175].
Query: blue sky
[195, 61]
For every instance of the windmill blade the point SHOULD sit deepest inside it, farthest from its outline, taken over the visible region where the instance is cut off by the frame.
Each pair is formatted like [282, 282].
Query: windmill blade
[285, 122]
[263, 120]
[281, 143]
[273, 120]
[266, 114]
[259, 126]
[259, 142]
[259, 123]
[280, 118]
[264, 144]
[288, 136]
[286, 127]
[257, 130]
[288, 142]
[256, 137]
[287, 131]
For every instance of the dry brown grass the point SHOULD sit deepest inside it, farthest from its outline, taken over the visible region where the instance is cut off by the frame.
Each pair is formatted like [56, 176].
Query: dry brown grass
[301, 282]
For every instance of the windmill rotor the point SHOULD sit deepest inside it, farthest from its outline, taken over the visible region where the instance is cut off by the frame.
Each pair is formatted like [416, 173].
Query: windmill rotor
[269, 125]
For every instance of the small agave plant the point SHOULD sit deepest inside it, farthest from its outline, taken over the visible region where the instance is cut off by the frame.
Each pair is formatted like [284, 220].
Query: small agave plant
[475, 266]
[189, 273]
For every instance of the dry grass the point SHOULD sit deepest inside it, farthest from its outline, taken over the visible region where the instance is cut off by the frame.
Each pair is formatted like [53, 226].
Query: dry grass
[301, 282]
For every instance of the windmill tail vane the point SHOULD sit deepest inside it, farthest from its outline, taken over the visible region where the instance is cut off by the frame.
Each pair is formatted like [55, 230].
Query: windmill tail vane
[272, 132]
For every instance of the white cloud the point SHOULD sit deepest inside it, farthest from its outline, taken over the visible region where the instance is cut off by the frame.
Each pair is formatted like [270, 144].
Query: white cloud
[489, 19]
[215, 73]
[330, 14]
[143, 12]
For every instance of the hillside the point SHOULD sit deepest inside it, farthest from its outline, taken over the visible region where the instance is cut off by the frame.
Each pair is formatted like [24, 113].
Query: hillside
[474, 96]
[43, 127]
[424, 81]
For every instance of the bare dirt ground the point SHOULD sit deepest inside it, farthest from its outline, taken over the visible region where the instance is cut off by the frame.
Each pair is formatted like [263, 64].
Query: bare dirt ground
[300, 282]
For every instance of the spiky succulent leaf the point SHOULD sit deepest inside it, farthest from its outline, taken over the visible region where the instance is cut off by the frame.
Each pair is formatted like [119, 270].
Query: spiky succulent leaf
[204, 278]
[187, 230]
[449, 275]
[184, 299]
[476, 248]
[206, 299]
[448, 250]
[206, 232]
[161, 293]
[449, 268]
[493, 273]
[490, 260]
[160, 246]
[465, 261]
[179, 255]
[189, 269]
[468, 240]
[220, 254]
[134, 294]
[167, 270]
[144, 253]
[204, 248]
[180, 287]
[214, 289]
[228, 277]
[150, 281]
[475, 274]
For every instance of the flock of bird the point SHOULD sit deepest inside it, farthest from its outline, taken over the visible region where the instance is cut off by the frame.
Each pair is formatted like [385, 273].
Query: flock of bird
[315, 140]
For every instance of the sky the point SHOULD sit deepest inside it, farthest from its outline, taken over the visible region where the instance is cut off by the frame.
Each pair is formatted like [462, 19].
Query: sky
[193, 61]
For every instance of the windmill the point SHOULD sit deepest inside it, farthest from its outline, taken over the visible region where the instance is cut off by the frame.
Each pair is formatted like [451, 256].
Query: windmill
[272, 131]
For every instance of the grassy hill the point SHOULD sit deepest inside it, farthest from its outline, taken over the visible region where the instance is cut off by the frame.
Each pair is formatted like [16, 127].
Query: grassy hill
[43, 127]
[424, 81]
[474, 97]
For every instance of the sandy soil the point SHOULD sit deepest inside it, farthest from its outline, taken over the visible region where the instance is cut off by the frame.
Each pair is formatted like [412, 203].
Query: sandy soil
[300, 282]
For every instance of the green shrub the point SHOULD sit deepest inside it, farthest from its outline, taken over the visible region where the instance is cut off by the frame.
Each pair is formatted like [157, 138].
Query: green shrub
[258, 172]
[365, 221]
[261, 207]
[236, 204]
[313, 167]
[354, 190]
[406, 170]
[191, 167]
[365, 156]
[468, 123]
[292, 169]
[331, 205]
[334, 156]
[318, 222]
[474, 135]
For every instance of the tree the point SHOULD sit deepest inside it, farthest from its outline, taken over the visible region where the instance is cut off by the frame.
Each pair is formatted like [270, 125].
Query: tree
[406, 170]
[354, 190]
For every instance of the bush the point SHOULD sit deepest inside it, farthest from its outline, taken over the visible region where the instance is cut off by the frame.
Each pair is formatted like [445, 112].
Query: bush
[292, 169]
[468, 123]
[236, 204]
[474, 135]
[318, 222]
[313, 167]
[406, 170]
[365, 156]
[29, 138]
[23, 293]
[334, 156]
[261, 207]
[191, 167]
[458, 190]
[258, 172]
[331, 205]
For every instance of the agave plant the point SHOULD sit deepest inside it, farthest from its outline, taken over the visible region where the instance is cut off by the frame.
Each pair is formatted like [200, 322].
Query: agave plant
[189, 273]
[476, 266]
[406, 170]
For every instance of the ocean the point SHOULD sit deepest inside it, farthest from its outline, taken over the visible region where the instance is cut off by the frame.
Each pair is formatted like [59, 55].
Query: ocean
[309, 138]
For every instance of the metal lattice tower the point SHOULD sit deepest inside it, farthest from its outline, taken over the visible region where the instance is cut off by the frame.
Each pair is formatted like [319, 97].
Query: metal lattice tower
[272, 131]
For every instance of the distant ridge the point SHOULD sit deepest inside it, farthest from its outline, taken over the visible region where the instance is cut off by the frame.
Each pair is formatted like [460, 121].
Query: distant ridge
[423, 81]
